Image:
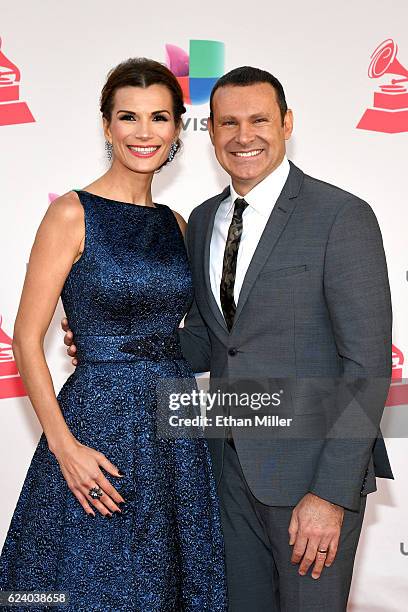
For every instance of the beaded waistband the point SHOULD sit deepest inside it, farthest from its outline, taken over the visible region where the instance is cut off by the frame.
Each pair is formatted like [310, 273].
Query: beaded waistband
[97, 349]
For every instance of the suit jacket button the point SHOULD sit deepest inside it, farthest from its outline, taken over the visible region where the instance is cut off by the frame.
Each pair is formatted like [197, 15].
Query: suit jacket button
[232, 351]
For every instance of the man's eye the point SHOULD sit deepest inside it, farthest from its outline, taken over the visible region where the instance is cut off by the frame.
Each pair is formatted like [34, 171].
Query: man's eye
[229, 122]
[160, 118]
[260, 119]
[126, 117]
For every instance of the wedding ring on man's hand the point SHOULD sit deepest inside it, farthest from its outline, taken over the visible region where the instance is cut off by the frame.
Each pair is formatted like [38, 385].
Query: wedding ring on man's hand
[322, 551]
[96, 492]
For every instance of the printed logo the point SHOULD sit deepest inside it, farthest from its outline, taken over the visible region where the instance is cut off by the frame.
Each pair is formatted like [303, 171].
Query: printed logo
[389, 112]
[197, 71]
[11, 384]
[397, 363]
[12, 110]
[398, 393]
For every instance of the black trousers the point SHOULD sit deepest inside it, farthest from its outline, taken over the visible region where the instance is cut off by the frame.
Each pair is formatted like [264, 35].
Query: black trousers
[261, 577]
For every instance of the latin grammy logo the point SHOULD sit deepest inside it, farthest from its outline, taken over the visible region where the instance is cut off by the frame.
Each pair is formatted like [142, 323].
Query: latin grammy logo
[390, 109]
[397, 363]
[11, 384]
[398, 393]
[12, 110]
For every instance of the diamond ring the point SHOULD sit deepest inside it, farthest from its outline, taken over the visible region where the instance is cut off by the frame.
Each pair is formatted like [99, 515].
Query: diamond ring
[96, 492]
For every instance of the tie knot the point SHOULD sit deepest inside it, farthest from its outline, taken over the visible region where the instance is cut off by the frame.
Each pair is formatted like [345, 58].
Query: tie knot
[239, 206]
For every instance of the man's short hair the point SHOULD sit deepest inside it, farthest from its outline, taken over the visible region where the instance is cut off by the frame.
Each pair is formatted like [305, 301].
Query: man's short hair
[247, 75]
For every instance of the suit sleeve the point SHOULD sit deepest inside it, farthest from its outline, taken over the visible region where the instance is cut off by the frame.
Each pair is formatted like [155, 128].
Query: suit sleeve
[194, 337]
[358, 298]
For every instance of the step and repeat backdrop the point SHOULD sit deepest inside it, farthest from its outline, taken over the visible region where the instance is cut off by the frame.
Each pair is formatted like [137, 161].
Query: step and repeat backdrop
[344, 67]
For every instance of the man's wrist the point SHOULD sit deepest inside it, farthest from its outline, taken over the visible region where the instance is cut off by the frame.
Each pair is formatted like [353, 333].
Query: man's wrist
[328, 501]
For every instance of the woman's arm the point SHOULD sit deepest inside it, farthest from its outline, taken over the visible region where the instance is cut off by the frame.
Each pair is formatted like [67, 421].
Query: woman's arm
[56, 246]
[181, 221]
[58, 243]
[194, 339]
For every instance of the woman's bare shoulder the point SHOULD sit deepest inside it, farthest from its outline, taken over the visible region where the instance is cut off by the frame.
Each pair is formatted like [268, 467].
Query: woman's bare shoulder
[67, 208]
[181, 221]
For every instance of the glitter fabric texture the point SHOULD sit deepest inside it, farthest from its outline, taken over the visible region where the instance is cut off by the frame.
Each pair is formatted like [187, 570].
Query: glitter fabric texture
[124, 299]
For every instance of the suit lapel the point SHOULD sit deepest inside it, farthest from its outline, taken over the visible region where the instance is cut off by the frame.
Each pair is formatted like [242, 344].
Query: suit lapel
[279, 217]
[210, 225]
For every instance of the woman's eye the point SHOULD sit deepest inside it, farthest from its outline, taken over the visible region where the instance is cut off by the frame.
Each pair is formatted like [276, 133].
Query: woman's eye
[126, 117]
[160, 118]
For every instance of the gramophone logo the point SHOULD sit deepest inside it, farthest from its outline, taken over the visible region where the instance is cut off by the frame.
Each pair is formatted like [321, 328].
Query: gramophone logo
[197, 71]
[398, 393]
[389, 112]
[12, 110]
[11, 384]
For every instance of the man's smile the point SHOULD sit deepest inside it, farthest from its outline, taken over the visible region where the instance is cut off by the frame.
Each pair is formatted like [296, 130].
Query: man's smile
[246, 154]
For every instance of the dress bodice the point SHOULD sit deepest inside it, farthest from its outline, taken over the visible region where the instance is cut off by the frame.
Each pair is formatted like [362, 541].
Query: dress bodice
[133, 278]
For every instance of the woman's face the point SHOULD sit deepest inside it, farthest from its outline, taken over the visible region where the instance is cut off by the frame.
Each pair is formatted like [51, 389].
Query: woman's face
[142, 127]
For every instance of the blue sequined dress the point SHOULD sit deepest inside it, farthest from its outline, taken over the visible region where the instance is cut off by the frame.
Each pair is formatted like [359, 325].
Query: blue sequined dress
[124, 299]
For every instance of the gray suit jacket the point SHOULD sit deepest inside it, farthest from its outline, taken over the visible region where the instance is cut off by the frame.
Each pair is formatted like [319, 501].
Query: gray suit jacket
[314, 306]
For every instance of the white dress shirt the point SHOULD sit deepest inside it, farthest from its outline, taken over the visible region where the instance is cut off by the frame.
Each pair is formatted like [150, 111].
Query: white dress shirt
[261, 200]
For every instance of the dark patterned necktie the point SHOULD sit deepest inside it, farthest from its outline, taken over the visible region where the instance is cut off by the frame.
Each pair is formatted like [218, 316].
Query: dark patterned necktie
[229, 265]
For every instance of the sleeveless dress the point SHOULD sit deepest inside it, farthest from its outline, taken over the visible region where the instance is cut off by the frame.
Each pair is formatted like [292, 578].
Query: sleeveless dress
[124, 299]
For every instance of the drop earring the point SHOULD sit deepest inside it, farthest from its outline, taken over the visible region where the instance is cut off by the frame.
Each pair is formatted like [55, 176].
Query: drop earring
[173, 151]
[108, 148]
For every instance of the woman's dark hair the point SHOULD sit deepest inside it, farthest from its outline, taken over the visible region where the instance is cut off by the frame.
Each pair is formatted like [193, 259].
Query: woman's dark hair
[141, 72]
[247, 75]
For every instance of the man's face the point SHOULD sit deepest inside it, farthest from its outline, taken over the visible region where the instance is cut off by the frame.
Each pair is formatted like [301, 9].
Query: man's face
[247, 132]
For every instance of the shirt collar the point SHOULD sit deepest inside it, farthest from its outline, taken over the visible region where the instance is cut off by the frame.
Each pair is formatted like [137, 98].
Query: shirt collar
[263, 196]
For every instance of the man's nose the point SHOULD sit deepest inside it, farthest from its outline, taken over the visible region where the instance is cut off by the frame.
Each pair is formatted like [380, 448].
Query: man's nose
[245, 134]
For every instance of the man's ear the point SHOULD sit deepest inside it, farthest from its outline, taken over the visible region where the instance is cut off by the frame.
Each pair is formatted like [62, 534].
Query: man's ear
[106, 130]
[210, 127]
[288, 124]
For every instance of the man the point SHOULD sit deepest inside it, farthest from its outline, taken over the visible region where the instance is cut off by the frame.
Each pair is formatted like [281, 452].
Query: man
[291, 284]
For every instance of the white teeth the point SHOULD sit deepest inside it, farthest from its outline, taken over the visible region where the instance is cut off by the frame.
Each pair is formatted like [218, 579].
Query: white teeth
[248, 154]
[145, 150]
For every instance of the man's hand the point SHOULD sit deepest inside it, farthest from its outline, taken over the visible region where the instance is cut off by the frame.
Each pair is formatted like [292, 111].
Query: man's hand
[69, 340]
[315, 526]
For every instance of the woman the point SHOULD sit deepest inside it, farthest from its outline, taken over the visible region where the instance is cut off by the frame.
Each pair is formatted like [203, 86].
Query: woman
[119, 263]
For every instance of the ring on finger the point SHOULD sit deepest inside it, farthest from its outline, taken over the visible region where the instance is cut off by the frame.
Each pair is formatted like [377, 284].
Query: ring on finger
[96, 492]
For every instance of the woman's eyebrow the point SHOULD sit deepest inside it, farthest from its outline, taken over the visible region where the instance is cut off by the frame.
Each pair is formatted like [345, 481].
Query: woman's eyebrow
[156, 112]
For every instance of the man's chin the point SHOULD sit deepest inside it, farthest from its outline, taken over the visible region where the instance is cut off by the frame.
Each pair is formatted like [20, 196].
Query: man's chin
[248, 177]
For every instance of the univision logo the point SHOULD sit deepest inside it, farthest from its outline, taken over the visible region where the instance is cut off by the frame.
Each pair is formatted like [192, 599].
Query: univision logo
[198, 70]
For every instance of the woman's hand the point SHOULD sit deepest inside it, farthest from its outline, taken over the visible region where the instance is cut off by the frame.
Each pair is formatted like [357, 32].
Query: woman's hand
[69, 340]
[80, 466]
